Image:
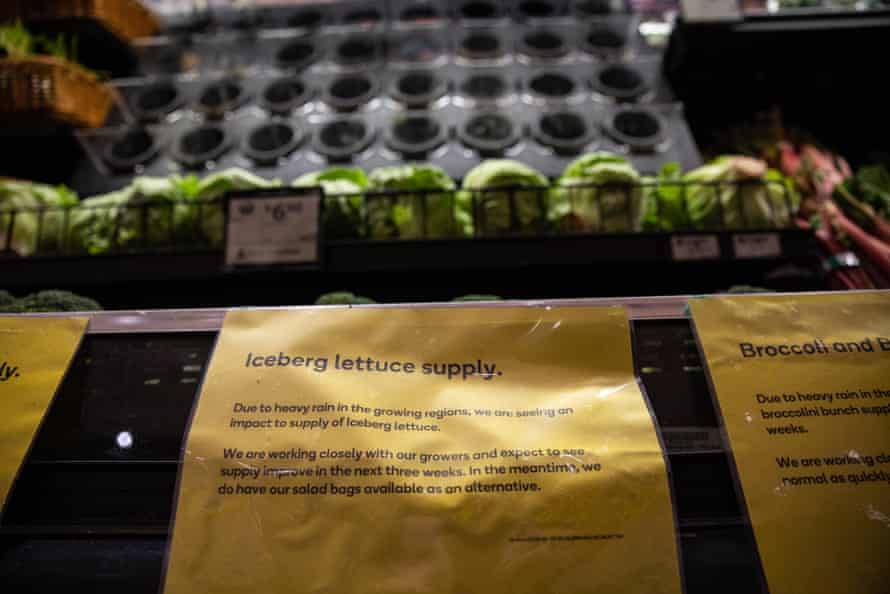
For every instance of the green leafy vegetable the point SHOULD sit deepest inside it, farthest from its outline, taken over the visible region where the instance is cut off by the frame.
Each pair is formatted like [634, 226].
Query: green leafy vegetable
[208, 212]
[598, 191]
[872, 184]
[664, 208]
[342, 298]
[344, 200]
[16, 40]
[409, 215]
[493, 208]
[717, 195]
[40, 212]
[6, 298]
[148, 212]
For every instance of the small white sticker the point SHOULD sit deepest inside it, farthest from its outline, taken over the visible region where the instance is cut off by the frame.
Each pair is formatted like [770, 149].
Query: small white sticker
[695, 247]
[692, 438]
[757, 245]
[264, 230]
[711, 10]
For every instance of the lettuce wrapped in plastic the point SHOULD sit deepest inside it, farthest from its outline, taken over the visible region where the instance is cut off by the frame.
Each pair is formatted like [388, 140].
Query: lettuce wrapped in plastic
[155, 212]
[598, 192]
[344, 201]
[492, 209]
[207, 211]
[663, 199]
[410, 215]
[148, 212]
[738, 193]
[40, 213]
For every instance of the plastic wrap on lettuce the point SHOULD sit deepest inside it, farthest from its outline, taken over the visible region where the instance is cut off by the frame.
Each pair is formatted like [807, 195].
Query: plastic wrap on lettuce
[408, 215]
[207, 212]
[598, 192]
[664, 207]
[344, 202]
[40, 213]
[493, 208]
[738, 193]
[147, 213]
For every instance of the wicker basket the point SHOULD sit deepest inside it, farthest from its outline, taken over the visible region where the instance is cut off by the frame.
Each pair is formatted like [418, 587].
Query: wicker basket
[47, 86]
[127, 19]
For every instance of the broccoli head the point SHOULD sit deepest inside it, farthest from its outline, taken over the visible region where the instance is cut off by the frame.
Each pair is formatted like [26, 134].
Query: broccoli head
[477, 298]
[342, 298]
[6, 298]
[55, 300]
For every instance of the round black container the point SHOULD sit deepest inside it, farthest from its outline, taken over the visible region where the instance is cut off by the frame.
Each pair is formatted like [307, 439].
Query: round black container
[156, 100]
[592, 8]
[271, 141]
[306, 18]
[479, 10]
[283, 95]
[543, 44]
[566, 132]
[417, 47]
[418, 13]
[485, 87]
[350, 91]
[343, 138]
[417, 88]
[134, 147]
[489, 133]
[552, 86]
[197, 146]
[620, 82]
[536, 9]
[639, 128]
[415, 135]
[357, 50]
[481, 45]
[363, 17]
[602, 40]
[221, 97]
[296, 55]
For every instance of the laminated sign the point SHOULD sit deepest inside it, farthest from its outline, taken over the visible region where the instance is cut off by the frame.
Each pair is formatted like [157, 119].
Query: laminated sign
[34, 354]
[446, 451]
[803, 383]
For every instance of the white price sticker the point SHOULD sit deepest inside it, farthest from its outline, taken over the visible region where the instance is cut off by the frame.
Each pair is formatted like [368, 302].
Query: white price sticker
[757, 245]
[711, 10]
[273, 229]
[695, 247]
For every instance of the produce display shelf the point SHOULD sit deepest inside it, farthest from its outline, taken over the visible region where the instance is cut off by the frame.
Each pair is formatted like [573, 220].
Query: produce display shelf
[558, 266]
[140, 372]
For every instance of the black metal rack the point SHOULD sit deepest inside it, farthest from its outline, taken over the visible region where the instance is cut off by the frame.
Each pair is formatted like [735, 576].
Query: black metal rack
[506, 243]
[89, 514]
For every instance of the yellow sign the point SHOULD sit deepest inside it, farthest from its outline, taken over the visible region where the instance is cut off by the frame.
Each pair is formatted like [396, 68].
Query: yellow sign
[34, 354]
[803, 383]
[446, 451]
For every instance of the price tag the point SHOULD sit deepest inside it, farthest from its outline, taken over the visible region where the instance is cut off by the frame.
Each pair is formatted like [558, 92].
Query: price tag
[273, 228]
[711, 10]
[695, 247]
[757, 245]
